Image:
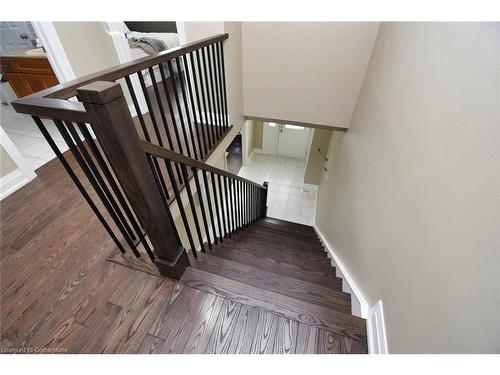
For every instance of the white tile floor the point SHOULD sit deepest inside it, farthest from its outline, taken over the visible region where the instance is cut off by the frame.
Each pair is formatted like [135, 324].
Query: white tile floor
[23, 132]
[288, 199]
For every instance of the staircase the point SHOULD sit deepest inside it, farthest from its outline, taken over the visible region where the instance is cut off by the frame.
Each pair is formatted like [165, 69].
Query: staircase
[186, 220]
[280, 269]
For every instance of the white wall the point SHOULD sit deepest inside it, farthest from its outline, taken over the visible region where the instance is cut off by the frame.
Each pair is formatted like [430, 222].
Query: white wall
[309, 72]
[411, 199]
[88, 46]
[200, 30]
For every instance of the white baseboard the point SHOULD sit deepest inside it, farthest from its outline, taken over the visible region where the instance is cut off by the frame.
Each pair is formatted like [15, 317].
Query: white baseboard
[375, 326]
[255, 151]
[310, 186]
[11, 182]
[358, 301]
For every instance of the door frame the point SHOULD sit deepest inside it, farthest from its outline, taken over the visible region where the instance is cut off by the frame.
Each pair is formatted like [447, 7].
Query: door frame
[64, 72]
[54, 49]
[18, 177]
[115, 29]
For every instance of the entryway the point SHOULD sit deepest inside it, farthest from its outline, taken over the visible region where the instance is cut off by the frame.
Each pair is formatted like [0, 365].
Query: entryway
[278, 153]
[285, 139]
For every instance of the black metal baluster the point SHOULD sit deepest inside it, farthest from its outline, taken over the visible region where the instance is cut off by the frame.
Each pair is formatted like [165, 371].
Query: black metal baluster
[228, 208]
[179, 109]
[240, 195]
[150, 108]
[109, 177]
[244, 202]
[137, 109]
[249, 204]
[142, 122]
[141, 117]
[171, 111]
[202, 206]
[216, 94]
[238, 207]
[162, 110]
[212, 96]
[212, 122]
[172, 117]
[221, 77]
[233, 201]
[177, 195]
[203, 85]
[260, 203]
[95, 185]
[210, 210]
[98, 178]
[224, 230]
[200, 122]
[186, 107]
[193, 108]
[76, 181]
[193, 208]
[253, 204]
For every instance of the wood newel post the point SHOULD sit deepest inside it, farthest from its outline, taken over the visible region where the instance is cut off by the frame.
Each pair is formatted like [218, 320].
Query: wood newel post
[264, 200]
[115, 130]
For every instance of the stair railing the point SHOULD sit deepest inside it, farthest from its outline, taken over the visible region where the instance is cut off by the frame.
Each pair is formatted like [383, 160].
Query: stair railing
[178, 100]
[134, 176]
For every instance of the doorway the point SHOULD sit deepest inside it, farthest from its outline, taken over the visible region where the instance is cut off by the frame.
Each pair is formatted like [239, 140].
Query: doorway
[32, 59]
[278, 156]
[285, 139]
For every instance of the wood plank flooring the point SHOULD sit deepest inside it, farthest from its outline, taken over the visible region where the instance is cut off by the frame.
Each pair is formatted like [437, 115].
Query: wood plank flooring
[65, 288]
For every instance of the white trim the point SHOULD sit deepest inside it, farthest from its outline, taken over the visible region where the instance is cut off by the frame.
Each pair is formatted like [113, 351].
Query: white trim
[11, 182]
[310, 186]
[56, 54]
[358, 301]
[256, 151]
[16, 156]
[375, 326]
[116, 30]
[19, 177]
[181, 32]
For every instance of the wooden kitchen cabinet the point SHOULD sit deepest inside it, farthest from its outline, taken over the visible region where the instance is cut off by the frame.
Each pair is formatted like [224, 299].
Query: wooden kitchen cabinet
[27, 74]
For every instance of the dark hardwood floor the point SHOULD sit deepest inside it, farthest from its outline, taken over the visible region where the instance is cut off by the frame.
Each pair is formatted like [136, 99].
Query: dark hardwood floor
[66, 288]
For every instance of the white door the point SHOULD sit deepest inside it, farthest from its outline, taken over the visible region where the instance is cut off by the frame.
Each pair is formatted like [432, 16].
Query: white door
[292, 140]
[270, 138]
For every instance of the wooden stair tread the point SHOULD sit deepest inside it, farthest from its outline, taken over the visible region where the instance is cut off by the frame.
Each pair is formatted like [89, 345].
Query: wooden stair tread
[274, 253]
[270, 237]
[299, 289]
[308, 313]
[327, 278]
[300, 230]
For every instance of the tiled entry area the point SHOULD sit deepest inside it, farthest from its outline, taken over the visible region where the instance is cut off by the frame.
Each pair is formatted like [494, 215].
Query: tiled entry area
[25, 135]
[287, 197]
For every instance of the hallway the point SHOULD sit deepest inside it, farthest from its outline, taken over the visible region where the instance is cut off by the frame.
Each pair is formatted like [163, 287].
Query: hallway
[288, 199]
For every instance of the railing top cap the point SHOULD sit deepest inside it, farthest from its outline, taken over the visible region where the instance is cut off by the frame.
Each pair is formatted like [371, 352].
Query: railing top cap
[100, 92]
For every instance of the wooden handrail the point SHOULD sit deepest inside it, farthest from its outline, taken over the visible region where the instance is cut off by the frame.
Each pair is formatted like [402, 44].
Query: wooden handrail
[68, 89]
[53, 108]
[163, 153]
